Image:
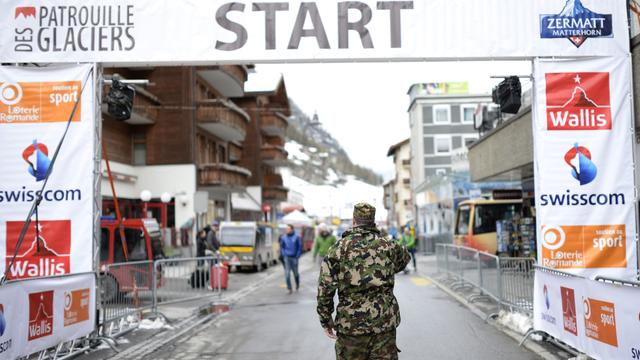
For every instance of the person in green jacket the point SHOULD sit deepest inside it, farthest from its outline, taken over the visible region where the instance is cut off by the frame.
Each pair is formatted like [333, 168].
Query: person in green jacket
[409, 241]
[323, 242]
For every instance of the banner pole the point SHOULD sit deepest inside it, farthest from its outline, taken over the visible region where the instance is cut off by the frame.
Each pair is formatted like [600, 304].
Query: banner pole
[634, 157]
[97, 176]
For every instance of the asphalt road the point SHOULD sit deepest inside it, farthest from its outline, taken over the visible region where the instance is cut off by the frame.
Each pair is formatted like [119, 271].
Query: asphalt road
[270, 324]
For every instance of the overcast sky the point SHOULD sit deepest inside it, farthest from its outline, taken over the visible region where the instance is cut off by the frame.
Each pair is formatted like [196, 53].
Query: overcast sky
[364, 105]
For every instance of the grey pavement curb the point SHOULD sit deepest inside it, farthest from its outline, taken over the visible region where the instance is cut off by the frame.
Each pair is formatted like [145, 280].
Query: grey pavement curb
[529, 345]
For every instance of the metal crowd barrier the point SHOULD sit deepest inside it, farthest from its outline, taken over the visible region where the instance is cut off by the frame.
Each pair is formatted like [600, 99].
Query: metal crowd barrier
[516, 279]
[130, 289]
[126, 290]
[180, 280]
[508, 281]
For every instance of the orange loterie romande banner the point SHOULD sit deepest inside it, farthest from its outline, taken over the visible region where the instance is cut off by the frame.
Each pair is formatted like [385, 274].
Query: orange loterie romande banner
[39, 102]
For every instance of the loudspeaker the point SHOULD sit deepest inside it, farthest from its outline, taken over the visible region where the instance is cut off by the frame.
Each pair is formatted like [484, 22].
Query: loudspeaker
[508, 94]
[120, 100]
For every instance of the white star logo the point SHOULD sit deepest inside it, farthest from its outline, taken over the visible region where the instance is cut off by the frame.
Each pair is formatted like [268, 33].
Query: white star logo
[577, 79]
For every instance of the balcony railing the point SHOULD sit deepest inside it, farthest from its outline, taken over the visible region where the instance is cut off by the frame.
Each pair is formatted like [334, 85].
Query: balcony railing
[274, 124]
[274, 155]
[223, 119]
[272, 180]
[272, 194]
[223, 175]
[227, 79]
[274, 141]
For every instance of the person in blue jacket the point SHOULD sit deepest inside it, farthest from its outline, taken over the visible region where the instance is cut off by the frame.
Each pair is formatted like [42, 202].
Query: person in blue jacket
[291, 250]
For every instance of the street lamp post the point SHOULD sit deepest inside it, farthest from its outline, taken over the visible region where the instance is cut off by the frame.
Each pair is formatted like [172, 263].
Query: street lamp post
[145, 196]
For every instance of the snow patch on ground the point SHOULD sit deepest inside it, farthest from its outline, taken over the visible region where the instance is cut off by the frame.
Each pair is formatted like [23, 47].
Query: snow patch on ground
[156, 324]
[295, 151]
[515, 321]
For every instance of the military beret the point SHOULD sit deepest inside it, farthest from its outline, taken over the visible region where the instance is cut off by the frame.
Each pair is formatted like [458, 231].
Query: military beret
[364, 212]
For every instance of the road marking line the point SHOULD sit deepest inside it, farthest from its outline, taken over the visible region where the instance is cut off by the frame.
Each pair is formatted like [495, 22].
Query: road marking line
[420, 281]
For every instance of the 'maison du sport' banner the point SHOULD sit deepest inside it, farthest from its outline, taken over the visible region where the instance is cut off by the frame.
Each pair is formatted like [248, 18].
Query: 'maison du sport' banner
[222, 31]
[41, 313]
[584, 181]
[599, 319]
[35, 105]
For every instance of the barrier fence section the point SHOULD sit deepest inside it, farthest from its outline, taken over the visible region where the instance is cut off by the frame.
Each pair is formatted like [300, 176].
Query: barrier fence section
[508, 281]
[180, 280]
[126, 291]
[130, 289]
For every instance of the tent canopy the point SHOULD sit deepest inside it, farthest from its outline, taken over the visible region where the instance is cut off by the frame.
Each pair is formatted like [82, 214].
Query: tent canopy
[297, 217]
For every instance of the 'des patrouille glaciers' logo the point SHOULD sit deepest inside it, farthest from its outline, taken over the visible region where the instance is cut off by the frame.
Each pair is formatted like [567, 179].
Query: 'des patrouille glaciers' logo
[73, 28]
[576, 23]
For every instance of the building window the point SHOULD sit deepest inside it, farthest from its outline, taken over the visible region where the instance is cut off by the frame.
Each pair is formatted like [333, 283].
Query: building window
[441, 172]
[443, 145]
[441, 114]
[467, 112]
[139, 149]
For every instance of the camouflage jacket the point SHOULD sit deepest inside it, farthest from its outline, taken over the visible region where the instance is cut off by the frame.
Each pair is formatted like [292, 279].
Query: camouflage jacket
[361, 267]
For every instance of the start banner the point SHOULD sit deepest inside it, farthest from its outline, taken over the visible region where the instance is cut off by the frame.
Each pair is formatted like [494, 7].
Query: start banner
[35, 105]
[38, 314]
[128, 32]
[584, 176]
[599, 319]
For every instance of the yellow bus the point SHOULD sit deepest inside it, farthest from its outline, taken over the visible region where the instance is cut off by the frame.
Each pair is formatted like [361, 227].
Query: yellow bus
[248, 244]
[475, 225]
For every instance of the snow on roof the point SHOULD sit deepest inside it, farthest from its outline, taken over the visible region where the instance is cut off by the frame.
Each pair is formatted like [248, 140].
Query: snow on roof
[262, 82]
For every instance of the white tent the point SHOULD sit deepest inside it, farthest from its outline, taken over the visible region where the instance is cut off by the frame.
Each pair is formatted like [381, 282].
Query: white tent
[298, 218]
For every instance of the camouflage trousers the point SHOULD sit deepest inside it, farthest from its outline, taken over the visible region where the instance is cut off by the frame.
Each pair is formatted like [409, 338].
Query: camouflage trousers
[367, 347]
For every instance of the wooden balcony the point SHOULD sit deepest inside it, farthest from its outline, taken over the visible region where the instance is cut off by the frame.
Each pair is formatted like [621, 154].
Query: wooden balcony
[274, 124]
[227, 79]
[223, 175]
[275, 194]
[223, 119]
[272, 180]
[274, 155]
[235, 152]
[274, 141]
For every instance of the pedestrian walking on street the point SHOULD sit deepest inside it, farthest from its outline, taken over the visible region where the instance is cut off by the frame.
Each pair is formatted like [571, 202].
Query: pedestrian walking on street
[202, 244]
[212, 237]
[323, 242]
[409, 241]
[291, 250]
[361, 267]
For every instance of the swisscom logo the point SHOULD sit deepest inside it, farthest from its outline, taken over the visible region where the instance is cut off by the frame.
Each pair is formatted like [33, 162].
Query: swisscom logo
[579, 159]
[578, 101]
[546, 316]
[576, 23]
[584, 170]
[37, 156]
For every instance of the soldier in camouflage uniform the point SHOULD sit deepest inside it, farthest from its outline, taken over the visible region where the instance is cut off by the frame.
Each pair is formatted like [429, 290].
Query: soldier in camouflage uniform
[361, 267]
